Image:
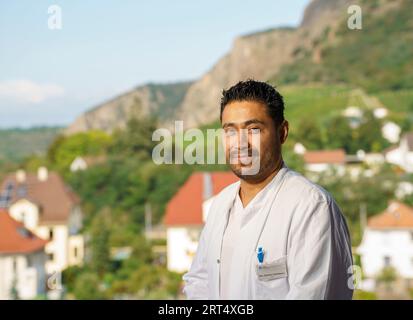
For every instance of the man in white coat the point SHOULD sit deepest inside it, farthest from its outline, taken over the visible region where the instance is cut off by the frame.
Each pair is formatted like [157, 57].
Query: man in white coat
[273, 234]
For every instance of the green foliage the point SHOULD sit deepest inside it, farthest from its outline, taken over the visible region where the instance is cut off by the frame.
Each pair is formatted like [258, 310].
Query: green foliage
[309, 133]
[135, 140]
[387, 275]
[65, 149]
[378, 57]
[99, 244]
[313, 102]
[17, 144]
[168, 97]
[141, 278]
[88, 286]
[69, 276]
[364, 295]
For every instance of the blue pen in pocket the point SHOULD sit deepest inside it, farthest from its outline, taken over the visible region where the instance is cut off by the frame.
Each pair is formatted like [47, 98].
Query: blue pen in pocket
[260, 256]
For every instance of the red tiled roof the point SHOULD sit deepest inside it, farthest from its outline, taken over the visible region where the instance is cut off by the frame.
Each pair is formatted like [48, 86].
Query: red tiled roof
[15, 238]
[185, 208]
[53, 197]
[397, 215]
[325, 156]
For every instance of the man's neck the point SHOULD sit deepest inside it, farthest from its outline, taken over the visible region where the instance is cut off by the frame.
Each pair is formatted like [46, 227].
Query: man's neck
[248, 190]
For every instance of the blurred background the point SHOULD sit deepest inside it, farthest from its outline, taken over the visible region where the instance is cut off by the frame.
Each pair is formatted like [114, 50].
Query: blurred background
[85, 213]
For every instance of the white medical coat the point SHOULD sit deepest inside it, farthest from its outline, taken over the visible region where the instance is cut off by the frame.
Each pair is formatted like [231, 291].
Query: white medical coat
[299, 225]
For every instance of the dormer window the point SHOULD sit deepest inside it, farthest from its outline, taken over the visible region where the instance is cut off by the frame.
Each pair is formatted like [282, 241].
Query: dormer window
[23, 217]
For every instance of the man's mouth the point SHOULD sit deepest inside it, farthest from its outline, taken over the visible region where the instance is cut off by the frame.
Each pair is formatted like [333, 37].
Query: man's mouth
[242, 157]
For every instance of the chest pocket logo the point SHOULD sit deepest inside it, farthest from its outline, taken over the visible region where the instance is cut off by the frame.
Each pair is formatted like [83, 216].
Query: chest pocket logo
[272, 270]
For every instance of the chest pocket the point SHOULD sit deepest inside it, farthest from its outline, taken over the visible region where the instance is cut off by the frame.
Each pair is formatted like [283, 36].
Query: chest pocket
[271, 279]
[272, 270]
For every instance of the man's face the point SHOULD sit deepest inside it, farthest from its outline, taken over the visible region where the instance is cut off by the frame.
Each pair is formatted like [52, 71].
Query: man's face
[252, 140]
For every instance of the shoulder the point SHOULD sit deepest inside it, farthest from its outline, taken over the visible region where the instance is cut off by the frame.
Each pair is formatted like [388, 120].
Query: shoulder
[305, 190]
[309, 200]
[222, 199]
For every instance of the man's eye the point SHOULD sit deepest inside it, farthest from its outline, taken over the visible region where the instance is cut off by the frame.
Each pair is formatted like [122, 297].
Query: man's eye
[230, 132]
[255, 130]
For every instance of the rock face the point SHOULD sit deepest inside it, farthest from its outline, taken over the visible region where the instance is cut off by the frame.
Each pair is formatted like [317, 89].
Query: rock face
[160, 100]
[258, 55]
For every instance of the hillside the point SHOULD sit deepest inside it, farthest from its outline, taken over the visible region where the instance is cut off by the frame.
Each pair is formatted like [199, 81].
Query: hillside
[159, 100]
[258, 55]
[375, 59]
[16, 144]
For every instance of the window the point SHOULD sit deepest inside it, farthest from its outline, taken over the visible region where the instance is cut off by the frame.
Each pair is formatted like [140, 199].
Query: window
[15, 265]
[51, 234]
[75, 252]
[23, 217]
[387, 261]
[50, 256]
[193, 234]
[29, 262]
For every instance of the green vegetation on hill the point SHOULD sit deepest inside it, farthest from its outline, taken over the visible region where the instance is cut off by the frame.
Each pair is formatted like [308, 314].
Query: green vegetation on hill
[378, 57]
[168, 97]
[16, 144]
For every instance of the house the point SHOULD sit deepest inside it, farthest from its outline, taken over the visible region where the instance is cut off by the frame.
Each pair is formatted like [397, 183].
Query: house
[186, 214]
[22, 260]
[48, 208]
[391, 131]
[380, 112]
[354, 115]
[388, 241]
[81, 163]
[402, 154]
[320, 161]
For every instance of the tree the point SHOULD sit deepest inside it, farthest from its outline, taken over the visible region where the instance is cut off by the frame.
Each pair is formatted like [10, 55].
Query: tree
[369, 136]
[339, 134]
[309, 134]
[65, 149]
[136, 139]
[100, 235]
[88, 286]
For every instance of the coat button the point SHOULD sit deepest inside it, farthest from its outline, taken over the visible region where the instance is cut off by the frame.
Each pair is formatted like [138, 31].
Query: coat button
[218, 261]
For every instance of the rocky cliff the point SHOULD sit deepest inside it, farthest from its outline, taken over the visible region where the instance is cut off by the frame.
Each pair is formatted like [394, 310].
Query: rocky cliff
[257, 55]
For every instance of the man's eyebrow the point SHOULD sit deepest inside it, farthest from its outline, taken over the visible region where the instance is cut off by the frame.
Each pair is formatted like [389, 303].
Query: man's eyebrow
[246, 123]
[253, 121]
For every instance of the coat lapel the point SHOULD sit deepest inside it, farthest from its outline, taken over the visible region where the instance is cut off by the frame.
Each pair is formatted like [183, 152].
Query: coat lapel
[262, 217]
[220, 224]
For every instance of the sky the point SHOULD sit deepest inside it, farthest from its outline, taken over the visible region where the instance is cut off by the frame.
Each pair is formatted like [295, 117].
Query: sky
[104, 48]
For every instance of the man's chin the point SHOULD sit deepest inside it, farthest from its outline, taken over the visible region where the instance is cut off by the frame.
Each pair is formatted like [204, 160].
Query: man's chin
[245, 172]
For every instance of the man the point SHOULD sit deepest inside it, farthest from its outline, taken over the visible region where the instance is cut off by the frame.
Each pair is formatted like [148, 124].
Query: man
[274, 234]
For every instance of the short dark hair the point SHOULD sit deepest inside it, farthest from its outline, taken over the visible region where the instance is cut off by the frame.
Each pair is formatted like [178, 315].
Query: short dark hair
[252, 90]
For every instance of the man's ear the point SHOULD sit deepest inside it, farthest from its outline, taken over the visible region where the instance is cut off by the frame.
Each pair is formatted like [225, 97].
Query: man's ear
[284, 127]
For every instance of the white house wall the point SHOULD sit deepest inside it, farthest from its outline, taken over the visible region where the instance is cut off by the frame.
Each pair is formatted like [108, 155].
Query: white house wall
[30, 279]
[182, 244]
[25, 212]
[395, 244]
[58, 246]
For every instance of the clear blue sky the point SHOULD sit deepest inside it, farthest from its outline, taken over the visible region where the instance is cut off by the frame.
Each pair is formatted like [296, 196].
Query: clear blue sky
[48, 77]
